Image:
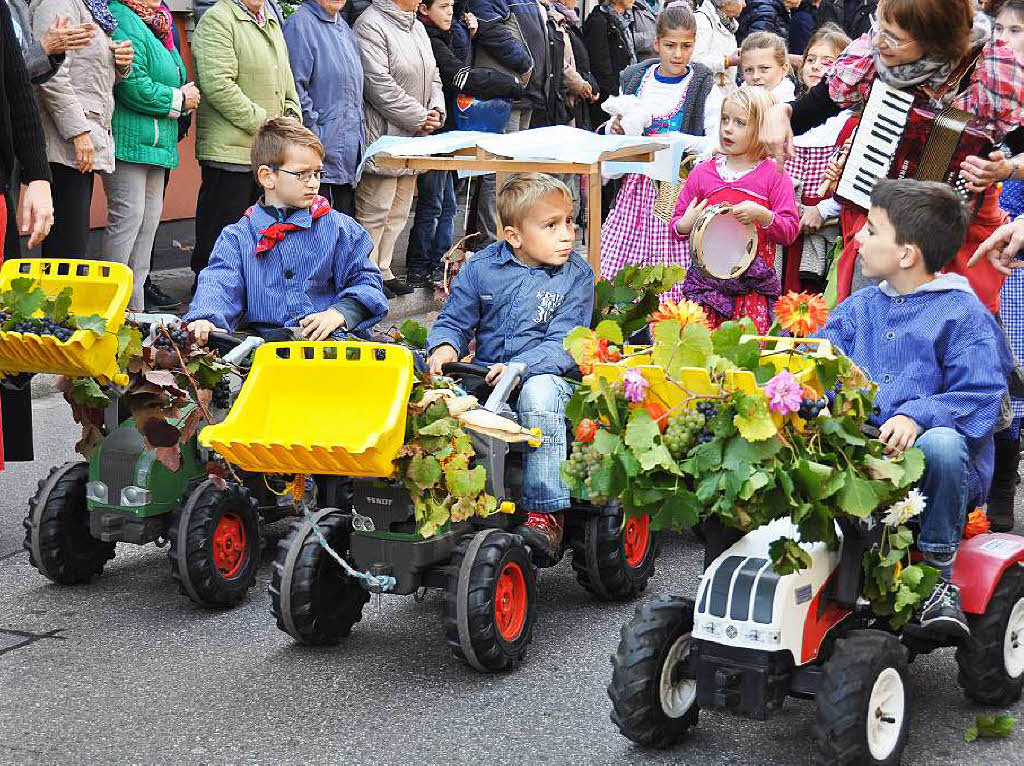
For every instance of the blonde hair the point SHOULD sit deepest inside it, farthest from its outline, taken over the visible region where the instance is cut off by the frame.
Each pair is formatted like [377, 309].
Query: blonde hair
[764, 40]
[273, 138]
[520, 193]
[756, 101]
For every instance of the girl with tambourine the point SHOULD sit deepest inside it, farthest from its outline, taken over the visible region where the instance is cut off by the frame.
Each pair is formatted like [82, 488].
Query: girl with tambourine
[743, 182]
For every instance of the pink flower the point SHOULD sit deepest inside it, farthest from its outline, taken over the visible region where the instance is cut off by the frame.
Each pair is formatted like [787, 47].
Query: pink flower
[783, 392]
[633, 385]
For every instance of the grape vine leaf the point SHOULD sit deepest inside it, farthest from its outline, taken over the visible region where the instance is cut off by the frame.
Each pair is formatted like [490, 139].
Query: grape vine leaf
[912, 461]
[756, 426]
[641, 430]
[414, 333]
[463, 482]
[676, 347]
[787, 556]
[93, 322]
[989, 727]
[424, 471]
[606, 442]
[23, 299]
[57, 308]
[857, 498]
[610, 331]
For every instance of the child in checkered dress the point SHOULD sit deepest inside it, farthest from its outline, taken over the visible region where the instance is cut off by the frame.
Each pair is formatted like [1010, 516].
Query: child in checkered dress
[682, 98]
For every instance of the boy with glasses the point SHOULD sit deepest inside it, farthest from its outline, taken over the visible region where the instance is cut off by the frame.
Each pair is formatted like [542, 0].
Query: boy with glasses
[291, 261]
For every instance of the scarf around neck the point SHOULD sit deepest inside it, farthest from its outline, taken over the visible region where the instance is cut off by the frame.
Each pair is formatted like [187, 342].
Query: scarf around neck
[157, 19]
[101, 15]
[278, 230]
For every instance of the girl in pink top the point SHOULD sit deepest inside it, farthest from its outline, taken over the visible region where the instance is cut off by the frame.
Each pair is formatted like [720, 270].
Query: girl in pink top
[760, 194]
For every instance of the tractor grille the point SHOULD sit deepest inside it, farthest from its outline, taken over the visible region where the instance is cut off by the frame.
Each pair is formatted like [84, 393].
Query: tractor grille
[755, 577]
[118, 461]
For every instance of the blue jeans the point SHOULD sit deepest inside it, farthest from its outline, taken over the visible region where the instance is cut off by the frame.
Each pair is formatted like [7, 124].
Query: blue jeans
[945, 487]
[542, 405]
[431, 233]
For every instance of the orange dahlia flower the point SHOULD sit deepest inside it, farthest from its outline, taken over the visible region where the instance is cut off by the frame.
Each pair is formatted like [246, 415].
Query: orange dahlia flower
[801, 313]
[977, 523]
[685, 312]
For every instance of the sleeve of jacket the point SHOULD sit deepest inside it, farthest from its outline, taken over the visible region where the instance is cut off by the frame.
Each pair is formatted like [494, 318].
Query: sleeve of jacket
[456, 325]
[57, 95]
[380, 88]
[356, 276]
[220, 292]
[41, 66]
[292, 107]
[760, 15]
[437, 95]
[549, 356]
[492, 35]
[302, 61]
[140, 92]
[595, 34]
[475, 81]
[216, 70]
[30, 146]
[973, 387]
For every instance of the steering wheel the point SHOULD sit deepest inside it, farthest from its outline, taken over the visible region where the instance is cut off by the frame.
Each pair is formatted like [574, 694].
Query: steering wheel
[465, 368]
[222, 341]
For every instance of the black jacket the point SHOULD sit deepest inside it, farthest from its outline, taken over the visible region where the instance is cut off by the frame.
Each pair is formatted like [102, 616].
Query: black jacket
[609, 55]
[453, 59]
[854, 16]
[555, 110]
[21, 133]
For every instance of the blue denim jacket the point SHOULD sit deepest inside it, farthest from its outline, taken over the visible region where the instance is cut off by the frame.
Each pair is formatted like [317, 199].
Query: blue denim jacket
[518, 314]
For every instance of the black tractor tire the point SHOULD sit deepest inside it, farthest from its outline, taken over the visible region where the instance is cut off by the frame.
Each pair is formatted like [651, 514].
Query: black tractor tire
[598, 542]
[490, 601]
[863, 662]
[654, 642]
[215, 542]
[57, 535]
[984, 675]
[312, 598]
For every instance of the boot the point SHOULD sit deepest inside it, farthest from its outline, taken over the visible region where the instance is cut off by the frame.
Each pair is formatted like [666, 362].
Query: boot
[1004, 482]
[543, 533]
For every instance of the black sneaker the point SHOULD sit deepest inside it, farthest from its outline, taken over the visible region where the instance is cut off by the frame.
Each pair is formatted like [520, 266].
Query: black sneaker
[418, 278]
[941, 614]
[387, 293]
[398, 287]
[156, 299]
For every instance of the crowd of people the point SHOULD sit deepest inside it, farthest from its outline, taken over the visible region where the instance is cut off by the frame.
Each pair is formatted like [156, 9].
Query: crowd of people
[294, 228]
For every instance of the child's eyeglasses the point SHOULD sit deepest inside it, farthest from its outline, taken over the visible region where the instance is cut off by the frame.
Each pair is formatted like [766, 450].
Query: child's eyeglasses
[304, 176]
[884, 37]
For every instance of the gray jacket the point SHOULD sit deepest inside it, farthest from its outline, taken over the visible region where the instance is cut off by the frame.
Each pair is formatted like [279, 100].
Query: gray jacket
[400, 78]
[41, 67]
[79, 98]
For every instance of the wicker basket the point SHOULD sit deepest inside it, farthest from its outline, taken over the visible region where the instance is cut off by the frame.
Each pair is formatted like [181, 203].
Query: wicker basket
[668, 193]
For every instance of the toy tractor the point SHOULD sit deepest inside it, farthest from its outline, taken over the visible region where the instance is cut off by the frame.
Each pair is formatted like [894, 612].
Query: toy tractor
[82, 509]
[352, 424]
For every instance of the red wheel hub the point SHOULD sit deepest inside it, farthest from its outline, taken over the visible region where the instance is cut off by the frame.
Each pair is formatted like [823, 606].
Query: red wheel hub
[636, 539]
[229, 545]
[510, 601]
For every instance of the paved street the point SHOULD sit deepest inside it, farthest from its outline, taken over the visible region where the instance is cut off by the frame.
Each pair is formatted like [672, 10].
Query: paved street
[126, 670]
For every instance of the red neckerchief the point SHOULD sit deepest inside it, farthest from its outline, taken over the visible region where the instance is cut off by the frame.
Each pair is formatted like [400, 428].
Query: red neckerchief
[277, 231]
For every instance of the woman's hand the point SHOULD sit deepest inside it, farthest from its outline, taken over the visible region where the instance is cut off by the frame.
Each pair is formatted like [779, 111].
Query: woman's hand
[1002, 247]
[981, 174]
[123, 52]
[190, 95]
[811, 220]
[751, 213]
[777, 133]
[430, 123]
[85, 153]
[685, 224]
[62, 37]
[471, 23]
[36, 212]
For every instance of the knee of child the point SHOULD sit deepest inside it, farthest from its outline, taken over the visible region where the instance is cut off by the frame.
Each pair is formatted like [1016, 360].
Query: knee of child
[541, 393]
[942, 444]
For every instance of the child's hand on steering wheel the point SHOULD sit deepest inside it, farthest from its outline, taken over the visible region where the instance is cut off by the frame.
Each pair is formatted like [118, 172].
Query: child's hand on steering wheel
[898, 434]
[201, 329]
[320, 325]
[442, 355]
[495, 372]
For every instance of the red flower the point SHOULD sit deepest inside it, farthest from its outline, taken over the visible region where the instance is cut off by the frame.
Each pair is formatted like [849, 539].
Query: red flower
[586, 430]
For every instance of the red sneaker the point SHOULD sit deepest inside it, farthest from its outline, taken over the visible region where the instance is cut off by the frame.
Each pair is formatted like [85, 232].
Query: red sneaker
[543, 533]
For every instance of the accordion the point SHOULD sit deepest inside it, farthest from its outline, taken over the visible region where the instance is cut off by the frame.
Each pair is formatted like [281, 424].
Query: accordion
[899, 138]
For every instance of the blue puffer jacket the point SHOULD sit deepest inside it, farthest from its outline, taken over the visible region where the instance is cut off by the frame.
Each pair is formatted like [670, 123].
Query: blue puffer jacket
[795, 27]
[494, 40]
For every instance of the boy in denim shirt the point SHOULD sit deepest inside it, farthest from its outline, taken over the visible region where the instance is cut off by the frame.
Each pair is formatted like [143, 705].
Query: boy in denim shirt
[940, 361]
[519, 298]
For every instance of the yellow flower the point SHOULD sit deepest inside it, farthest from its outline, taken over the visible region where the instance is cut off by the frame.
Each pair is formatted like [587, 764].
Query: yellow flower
[801, 313]
[686, 312]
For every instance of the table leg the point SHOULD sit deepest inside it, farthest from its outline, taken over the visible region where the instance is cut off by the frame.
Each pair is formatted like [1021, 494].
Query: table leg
[594, 220]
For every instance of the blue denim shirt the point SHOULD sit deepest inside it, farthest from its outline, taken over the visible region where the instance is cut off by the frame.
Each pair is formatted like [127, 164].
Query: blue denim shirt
[517, 314]
[328, 76]
[937, 355]
[324, 265]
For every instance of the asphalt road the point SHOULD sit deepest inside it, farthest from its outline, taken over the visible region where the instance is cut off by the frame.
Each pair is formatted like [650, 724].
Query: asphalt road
[126, 670]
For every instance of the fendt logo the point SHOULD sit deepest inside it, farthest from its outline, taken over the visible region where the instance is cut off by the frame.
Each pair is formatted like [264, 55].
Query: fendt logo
[379, 500]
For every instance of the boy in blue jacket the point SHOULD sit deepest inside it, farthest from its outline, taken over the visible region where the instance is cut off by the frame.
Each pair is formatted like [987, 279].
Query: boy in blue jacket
[291, 261]
[940, 361]
[520, 297]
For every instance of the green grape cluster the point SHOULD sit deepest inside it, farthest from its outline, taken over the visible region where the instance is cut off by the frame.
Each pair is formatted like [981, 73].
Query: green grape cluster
[583, 460]
[682, 432]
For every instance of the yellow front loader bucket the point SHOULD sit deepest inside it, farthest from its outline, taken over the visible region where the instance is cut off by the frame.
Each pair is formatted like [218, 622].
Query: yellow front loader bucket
[320, 408]
[97, 287]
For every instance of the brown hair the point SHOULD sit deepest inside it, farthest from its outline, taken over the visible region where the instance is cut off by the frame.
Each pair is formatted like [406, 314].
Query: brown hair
[926, 214]
[828, 34]
[763, 39]
[521, 190]
[676, 15]
[941, 27]
[1011, 6]
[273, 139]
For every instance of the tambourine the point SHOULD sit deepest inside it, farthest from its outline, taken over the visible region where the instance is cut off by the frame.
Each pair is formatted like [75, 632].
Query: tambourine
[720, 245]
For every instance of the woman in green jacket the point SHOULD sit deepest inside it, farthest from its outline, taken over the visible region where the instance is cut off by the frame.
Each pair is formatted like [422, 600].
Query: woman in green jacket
[147, 105]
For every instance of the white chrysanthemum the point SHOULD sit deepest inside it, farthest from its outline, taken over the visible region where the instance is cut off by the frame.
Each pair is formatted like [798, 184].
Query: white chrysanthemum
[903, 511]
